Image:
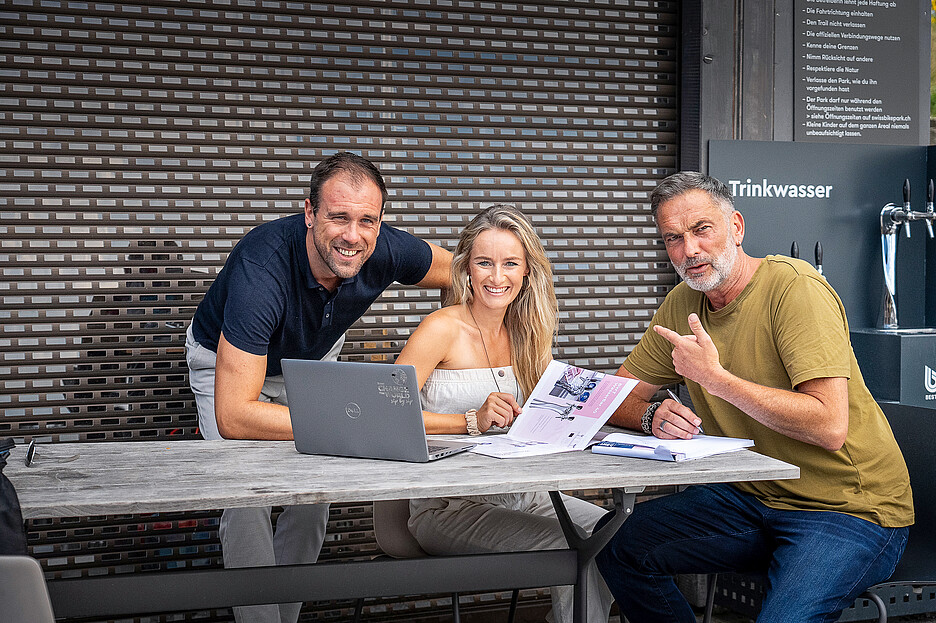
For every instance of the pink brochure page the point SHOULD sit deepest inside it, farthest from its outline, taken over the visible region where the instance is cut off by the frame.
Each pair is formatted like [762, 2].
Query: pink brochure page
[569, 405]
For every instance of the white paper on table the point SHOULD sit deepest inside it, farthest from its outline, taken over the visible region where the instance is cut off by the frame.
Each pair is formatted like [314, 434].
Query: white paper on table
[650, 447]
[502, 447]
[564, 411]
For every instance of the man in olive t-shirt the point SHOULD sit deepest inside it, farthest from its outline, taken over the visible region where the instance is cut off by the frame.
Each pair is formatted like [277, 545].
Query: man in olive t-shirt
[762, 345]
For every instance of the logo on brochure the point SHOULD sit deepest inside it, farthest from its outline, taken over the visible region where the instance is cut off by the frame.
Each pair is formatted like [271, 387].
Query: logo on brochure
[929, 381]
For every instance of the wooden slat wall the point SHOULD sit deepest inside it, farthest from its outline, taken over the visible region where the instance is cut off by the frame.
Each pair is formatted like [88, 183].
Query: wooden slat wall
[139, 141]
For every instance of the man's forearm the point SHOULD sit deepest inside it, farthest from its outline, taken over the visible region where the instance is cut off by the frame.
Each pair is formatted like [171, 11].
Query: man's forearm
[239, 378]
[815, 413]
[629, 413]
[635, 405]
[254, 420]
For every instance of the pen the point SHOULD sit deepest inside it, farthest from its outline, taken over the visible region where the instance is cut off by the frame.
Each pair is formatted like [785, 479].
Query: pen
[673, 395]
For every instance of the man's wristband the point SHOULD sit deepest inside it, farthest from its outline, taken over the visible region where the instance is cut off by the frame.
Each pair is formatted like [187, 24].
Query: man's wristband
[471, 421]
[646, 420]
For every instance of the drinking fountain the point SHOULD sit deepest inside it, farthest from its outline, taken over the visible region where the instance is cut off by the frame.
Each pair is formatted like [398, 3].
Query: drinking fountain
[893, 218]
[898, 363]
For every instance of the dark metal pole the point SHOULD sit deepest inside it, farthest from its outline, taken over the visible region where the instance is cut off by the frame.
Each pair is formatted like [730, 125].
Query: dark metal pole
[587, 547]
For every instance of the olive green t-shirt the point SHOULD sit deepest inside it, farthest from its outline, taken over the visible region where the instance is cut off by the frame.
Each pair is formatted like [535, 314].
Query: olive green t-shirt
[788, 326]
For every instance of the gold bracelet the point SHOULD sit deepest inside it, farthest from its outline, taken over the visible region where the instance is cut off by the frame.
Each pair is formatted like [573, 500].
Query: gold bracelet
[471, 421]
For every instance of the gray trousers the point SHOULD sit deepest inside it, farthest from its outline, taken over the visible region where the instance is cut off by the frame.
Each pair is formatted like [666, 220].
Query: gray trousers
[247, 537]
[511, 523]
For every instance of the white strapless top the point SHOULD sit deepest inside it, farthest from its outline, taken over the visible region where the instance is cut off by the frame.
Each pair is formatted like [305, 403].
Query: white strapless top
[456, 391]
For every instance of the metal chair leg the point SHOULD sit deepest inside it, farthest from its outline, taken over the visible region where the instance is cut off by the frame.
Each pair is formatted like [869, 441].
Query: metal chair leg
[879, 604]
[514, 597]
[456, 609]
[711, 580]
[358, 610]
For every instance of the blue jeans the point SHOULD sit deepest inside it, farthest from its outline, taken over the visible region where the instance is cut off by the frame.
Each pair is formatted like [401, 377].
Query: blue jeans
[816, 562]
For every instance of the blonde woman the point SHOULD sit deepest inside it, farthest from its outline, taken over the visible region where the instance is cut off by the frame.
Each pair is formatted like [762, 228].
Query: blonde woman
[475, 360]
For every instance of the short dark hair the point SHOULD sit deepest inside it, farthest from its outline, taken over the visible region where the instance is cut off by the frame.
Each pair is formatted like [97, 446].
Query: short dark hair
[344, 162]
[685, 181]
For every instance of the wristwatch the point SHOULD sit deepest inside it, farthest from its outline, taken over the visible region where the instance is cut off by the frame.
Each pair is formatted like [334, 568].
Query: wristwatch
[646, 420]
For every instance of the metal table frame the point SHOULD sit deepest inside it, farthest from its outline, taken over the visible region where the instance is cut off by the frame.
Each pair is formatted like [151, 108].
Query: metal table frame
[195, 590]
[191, 475]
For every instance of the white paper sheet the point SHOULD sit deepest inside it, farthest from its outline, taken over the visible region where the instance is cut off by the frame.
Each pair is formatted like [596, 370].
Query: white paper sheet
[649, 447]
[566, 409]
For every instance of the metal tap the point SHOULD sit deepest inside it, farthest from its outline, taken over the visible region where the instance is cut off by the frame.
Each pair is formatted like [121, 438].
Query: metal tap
[889, 256]
[892, 218]
[929, 208]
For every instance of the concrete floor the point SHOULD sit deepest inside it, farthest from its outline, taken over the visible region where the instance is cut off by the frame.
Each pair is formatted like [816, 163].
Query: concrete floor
[729, 617]
[734, 618]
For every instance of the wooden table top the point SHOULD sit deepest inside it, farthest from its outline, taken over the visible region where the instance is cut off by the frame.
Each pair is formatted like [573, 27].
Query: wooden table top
[163, 476]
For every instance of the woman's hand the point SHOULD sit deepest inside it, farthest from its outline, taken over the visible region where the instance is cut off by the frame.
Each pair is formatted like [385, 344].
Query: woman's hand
[499, 409]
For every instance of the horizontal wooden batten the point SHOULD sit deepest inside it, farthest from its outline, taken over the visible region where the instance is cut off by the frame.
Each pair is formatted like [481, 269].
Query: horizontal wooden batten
[140, 141]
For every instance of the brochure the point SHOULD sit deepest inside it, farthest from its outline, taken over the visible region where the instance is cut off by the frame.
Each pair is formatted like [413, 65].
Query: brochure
[649, 447]
[564, 411]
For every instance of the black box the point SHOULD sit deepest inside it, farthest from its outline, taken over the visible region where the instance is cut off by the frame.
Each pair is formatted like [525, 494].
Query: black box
[898, 365]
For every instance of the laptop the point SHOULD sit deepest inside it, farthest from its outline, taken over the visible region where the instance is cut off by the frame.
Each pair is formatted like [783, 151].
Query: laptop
[366, 410]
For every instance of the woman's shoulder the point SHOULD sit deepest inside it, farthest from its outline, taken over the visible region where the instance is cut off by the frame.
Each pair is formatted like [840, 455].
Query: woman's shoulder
[446, 321]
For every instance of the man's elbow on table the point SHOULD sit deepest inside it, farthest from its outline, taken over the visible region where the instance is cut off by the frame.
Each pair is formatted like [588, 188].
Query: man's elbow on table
[253, 419]
[231, 410]
[227, 426]
[228, 415]
[239, 378]
[240, 414]
[233, 406]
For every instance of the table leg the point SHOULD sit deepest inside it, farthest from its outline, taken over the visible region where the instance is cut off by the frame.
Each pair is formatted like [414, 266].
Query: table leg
[587, 547]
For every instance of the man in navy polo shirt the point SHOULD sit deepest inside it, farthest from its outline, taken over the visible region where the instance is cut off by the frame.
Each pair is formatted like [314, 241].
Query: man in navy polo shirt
[291, 288]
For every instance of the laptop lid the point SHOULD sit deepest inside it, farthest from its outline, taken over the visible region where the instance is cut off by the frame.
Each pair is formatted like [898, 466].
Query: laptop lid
[367, 410]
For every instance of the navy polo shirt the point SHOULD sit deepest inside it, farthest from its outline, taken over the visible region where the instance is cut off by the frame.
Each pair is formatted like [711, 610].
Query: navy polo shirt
[267, 302]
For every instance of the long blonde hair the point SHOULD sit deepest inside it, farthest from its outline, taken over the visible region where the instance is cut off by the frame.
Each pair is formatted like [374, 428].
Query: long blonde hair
[532, 317]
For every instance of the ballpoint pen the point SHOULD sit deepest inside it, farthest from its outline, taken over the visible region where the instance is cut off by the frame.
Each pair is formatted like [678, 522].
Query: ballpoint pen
[673, 395]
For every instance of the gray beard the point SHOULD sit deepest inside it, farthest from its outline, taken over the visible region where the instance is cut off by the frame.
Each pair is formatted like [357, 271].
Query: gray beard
[721, 270]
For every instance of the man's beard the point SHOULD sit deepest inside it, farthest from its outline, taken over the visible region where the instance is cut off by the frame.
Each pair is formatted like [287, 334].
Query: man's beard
[339, 269]
[721, 269]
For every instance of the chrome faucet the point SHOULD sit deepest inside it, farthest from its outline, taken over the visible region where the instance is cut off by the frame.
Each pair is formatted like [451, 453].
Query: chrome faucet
[892, 218]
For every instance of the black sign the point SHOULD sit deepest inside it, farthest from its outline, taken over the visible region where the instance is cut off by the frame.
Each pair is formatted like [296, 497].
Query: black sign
[832, 194]
[856, 70]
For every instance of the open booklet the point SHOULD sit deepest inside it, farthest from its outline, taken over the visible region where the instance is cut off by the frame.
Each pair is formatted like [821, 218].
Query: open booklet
[649, 447]
[566, 409]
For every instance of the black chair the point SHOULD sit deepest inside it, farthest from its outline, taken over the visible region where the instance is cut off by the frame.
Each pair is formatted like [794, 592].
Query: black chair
[711, 588]
[915, 429]
[394, 539]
